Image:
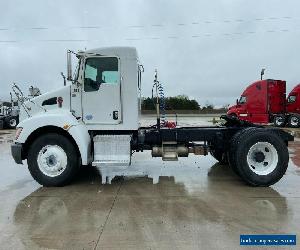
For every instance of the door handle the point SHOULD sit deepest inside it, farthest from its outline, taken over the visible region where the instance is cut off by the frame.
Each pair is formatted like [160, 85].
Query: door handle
[115, 115]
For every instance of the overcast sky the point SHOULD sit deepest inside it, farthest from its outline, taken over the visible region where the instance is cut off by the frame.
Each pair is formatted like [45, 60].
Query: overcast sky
[208, 50]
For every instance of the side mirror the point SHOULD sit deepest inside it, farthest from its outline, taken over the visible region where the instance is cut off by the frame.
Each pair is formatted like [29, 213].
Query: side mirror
[69, 66]
[62, 74]
[237, 102]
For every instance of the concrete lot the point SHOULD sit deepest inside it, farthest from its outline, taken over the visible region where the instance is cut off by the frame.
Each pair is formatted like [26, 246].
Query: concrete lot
[195, 203]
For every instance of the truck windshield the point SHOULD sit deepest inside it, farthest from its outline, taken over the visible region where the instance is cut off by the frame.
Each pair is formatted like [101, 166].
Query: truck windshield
[242, 100]
[291, 98]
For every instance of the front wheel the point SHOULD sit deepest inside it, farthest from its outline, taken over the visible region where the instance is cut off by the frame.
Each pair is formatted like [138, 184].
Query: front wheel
[261, 157]
[53, 160]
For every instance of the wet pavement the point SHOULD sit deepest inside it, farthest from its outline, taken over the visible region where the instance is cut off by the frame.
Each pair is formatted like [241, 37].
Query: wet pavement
[190, 204]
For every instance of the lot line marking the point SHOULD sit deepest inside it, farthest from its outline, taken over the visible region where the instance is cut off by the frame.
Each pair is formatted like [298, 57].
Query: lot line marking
[108, 214]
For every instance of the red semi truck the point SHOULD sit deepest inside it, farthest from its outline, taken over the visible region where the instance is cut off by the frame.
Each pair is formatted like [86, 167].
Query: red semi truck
[265, 102]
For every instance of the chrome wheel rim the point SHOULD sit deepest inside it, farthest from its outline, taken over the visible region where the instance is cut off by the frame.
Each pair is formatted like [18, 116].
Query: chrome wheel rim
[279, 120]
[262, 158]
[13, 122]
[52, 160]
[294, 121]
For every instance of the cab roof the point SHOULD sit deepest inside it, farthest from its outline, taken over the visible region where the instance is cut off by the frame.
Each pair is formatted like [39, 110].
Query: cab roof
[122, 52]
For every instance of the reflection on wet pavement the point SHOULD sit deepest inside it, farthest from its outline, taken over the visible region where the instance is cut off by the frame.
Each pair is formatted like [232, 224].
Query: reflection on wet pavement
[295, 152]
[194, 203]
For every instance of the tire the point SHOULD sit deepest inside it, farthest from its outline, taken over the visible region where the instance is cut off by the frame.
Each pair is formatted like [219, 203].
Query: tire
[261, 157]
[233, 147]
[279, 120]
[294, 121]
[11, 122]
[53, 160]
[220, 156]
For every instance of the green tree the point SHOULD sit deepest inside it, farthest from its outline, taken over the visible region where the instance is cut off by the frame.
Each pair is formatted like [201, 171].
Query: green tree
[180, 102]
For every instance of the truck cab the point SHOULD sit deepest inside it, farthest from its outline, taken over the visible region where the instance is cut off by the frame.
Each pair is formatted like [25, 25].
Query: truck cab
[260, 101]
[293, 100]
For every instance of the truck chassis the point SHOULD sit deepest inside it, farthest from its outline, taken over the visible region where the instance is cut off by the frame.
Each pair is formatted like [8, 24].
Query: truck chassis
[258, 155]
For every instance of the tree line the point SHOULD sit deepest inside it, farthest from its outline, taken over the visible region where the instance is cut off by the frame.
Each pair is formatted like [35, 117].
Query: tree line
[180, 102]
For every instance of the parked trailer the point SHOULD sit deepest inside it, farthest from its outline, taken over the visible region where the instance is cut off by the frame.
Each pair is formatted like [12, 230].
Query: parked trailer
[95, 120]
[265, 102]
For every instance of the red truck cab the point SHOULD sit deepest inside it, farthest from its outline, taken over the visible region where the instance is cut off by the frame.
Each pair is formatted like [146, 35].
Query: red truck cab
[293, 100]
[260, 101]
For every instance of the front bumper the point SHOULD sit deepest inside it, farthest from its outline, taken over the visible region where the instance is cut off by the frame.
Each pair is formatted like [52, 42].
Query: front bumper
[16, 151]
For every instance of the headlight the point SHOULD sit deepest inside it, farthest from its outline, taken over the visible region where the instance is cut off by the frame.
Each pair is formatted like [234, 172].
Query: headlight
[18, 132]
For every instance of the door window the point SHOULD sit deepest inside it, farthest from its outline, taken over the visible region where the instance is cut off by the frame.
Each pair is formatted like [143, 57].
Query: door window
[100, 70]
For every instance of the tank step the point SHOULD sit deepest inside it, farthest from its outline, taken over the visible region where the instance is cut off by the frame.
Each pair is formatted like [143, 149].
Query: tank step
[112, 150]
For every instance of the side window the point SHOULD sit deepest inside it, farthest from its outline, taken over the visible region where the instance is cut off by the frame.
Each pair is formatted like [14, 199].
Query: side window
[291, 98]
[243, 100]
[100, 70]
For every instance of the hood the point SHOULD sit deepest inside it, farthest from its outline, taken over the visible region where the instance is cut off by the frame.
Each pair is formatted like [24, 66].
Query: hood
[57, 99]
[232, 107]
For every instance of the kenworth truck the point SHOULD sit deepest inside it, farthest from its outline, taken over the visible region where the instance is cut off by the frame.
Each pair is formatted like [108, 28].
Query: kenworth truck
[95, 120]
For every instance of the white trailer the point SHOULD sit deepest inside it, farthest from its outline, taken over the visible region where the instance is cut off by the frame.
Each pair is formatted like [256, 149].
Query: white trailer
[95, 120]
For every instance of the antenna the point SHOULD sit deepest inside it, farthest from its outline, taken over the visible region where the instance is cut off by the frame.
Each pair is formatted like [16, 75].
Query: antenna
[262, 73]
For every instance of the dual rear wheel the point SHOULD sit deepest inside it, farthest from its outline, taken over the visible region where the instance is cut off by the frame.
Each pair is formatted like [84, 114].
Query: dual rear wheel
[292, 120]
[259, 156]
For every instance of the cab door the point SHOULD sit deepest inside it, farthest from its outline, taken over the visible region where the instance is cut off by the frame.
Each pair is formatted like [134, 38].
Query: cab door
[101, 97]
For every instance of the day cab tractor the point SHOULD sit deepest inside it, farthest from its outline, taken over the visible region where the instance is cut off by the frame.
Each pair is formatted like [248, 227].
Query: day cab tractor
[264, 102]
[96, 120]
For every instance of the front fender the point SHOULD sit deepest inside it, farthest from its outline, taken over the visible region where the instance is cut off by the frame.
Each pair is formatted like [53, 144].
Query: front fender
[63, 120]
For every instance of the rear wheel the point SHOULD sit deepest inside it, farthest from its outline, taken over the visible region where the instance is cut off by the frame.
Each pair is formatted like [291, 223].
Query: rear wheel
[53, 160]
[233, 146]
[261, 157]
[294, 121]
[279, 120]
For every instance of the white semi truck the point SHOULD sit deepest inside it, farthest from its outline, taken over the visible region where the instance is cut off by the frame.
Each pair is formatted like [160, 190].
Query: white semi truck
[96, 120]
[9, 115]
